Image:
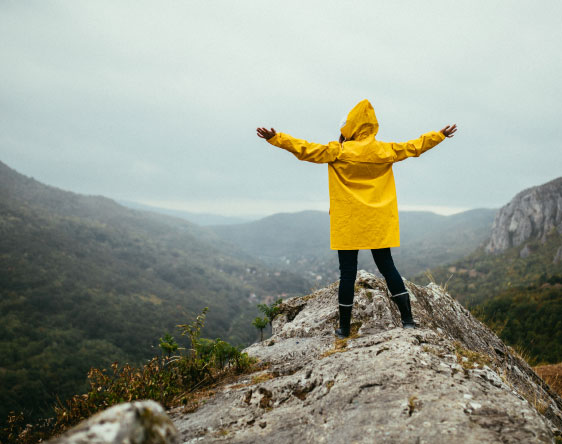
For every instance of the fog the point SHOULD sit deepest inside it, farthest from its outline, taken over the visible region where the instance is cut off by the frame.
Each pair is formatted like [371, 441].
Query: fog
[157, 102]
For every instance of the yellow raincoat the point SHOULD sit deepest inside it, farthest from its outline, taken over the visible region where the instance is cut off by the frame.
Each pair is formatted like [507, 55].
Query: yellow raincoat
[363, 205]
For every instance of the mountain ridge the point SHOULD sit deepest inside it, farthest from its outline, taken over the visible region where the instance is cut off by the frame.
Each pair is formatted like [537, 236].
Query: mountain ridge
[86, 282]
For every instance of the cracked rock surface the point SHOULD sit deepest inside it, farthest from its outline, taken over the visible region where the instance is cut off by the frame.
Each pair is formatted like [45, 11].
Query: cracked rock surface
[451, 380]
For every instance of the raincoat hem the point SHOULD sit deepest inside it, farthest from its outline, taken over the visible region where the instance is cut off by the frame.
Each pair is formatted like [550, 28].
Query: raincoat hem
[365, 248]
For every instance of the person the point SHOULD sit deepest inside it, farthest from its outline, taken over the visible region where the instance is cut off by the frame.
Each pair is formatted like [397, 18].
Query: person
[363, 205]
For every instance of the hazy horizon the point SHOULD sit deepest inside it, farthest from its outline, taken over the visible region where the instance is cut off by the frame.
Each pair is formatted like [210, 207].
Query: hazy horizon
[293, 207]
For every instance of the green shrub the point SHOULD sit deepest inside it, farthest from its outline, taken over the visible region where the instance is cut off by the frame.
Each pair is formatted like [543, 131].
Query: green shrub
[170, 380]
[168, 344]
[272, 310]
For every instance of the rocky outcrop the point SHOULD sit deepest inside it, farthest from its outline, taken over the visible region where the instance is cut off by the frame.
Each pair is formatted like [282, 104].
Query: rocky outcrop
[532, 213]
[141, 422]
[450, 381]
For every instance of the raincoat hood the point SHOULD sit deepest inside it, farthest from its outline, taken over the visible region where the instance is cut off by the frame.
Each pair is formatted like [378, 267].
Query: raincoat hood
[361, 122]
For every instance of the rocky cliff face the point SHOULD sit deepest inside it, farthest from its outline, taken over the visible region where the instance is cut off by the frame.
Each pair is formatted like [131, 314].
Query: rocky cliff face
[452, 380]
[532, 213]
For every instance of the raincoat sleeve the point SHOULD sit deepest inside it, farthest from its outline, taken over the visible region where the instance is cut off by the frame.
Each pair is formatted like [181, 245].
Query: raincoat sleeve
[303, 150]
[413, 148]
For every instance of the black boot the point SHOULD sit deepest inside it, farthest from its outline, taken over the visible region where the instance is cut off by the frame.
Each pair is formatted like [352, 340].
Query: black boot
[345, 322]
[402, 300]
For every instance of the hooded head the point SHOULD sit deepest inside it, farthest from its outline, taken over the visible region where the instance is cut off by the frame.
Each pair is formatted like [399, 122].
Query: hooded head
[361, 122]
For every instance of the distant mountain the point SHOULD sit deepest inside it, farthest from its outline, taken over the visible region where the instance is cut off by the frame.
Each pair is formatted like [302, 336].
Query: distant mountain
[524, 244]
[513, 282]
[300, 242]
[197, 218]
[85, 282]
[532, 214]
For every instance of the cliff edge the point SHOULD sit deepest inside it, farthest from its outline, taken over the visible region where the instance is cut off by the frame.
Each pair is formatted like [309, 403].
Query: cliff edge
[532, 213]
[451, 380]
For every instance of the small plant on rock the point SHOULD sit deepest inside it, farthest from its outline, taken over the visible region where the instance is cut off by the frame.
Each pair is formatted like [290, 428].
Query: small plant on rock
[260, 324]
[168, 344]
[272, 310]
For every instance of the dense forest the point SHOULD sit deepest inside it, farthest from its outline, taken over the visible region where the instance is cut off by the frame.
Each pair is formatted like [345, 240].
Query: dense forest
[85, 282]
[519, 297]
[529, 318]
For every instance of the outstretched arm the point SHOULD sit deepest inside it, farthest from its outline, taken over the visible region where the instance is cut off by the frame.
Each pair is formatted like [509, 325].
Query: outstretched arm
[416, 147]
[303, 150]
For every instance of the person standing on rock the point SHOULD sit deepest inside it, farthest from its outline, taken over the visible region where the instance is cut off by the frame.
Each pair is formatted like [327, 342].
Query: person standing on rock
[363, 205]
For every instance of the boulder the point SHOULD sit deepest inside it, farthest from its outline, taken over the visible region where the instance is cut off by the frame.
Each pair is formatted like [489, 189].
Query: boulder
[139, 422]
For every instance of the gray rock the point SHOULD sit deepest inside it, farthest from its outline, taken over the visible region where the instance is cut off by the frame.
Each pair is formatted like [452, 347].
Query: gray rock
[525, 252]
[532, 213]
[557, 256]
[452, 380]
[137, 422]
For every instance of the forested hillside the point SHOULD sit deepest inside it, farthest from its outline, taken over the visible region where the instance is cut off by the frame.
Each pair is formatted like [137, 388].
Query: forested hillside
[530, 318]
[514, 282]
[85, 282]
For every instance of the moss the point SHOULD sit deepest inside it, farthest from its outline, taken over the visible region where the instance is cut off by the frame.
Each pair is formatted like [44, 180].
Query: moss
[433, 351]
[468, 358]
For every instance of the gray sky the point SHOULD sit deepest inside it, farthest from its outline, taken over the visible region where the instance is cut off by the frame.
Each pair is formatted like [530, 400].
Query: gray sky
[157, 102]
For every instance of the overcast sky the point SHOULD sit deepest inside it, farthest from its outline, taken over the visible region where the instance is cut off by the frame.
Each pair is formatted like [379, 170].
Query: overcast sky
[157, 102]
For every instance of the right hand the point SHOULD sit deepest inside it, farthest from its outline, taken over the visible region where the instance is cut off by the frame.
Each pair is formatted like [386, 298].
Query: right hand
[449, 130]
[266, 134]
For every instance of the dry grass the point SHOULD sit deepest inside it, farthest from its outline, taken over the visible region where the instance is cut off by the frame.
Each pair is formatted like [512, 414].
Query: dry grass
[552, 375]
[539, 402]
[431, 278]
[522, 353]
[429, 275]
[262, 378]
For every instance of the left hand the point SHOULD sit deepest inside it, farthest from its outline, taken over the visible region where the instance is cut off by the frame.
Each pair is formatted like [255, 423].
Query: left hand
[266, 134]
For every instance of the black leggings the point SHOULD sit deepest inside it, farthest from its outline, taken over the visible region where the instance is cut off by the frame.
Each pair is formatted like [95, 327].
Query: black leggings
[348, 273]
